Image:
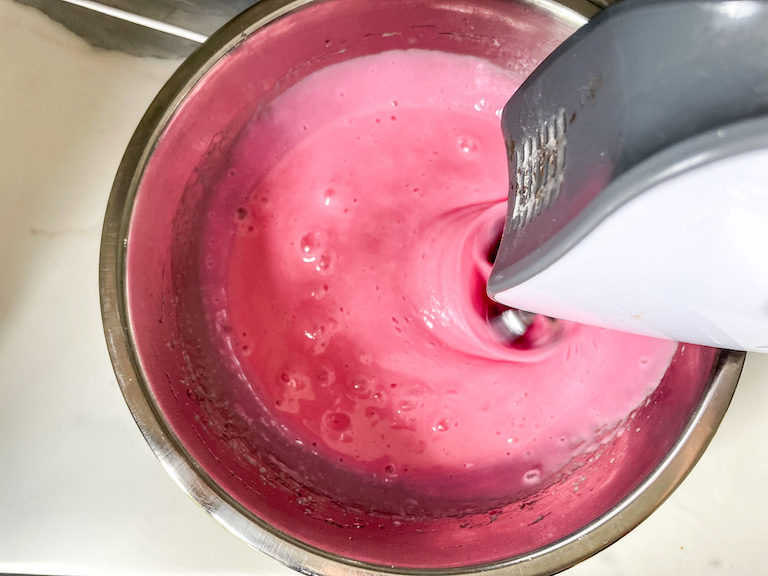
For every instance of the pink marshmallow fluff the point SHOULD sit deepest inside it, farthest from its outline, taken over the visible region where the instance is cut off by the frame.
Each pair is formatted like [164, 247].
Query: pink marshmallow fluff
[354, 298]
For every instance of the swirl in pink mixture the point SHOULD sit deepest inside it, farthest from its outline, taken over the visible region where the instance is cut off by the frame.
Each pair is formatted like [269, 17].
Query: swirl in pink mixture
[356, 285]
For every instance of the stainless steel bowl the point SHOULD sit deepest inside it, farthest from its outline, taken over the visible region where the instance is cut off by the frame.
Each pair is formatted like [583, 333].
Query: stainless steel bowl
[219, 447]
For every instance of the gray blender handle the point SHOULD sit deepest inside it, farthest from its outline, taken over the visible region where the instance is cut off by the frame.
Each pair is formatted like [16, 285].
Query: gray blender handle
[640, 77]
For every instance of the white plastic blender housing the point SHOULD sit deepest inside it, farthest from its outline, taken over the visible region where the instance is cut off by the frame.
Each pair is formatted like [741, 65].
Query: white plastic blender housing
[655, 221]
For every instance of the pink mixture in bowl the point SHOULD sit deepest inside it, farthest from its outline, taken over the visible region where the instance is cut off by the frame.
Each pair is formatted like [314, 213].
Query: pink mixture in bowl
[305, 267]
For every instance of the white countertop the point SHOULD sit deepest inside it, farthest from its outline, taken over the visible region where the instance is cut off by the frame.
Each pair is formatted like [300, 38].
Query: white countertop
[80, 491]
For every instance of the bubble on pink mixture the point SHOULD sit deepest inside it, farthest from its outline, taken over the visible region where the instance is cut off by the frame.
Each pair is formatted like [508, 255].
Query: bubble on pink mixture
[467, 145]
[292, 381]
[319, 292]
[337, 421]
[532, 476]
[326, 262]
[325, 376]
[362, 387]
[311, 244]
[442, 425]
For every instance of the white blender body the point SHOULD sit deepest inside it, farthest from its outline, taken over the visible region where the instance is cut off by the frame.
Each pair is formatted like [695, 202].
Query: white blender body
[686, 260]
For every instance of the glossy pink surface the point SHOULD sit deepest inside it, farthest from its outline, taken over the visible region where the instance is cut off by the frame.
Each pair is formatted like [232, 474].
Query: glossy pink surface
[355, 293]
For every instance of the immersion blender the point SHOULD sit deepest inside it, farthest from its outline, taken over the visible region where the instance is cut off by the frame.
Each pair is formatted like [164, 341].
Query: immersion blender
[638, 159]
